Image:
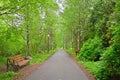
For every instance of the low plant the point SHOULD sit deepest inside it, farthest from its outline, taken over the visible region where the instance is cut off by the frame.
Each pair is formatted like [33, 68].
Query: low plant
[91, 66]
[2, 60]
[10, 75]
[38, 58]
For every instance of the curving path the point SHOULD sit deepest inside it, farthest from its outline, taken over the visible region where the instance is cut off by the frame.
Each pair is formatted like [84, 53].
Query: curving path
[58, 67]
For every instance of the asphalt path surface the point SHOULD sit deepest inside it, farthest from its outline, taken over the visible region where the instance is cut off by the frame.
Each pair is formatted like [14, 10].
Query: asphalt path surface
[59, 66]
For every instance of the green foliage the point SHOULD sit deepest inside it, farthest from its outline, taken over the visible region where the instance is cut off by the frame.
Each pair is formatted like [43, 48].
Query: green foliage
[71, 51]
[111, 58]
[9, 75]
[14, 21]
[38, 58]
[91, 50]
[35, 25]
[76, 16]
[111, 64]
[2, 60]
[9, 41]
[92, 67]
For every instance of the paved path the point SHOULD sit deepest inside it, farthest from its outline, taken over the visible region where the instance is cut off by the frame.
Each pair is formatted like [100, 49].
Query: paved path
[59, 67]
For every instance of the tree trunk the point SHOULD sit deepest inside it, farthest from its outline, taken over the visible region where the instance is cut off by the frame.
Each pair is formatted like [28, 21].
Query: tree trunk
[28, 41]
[28, 29]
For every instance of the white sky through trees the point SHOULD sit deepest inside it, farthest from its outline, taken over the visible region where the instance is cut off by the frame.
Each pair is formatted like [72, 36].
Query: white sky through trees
[61, 5]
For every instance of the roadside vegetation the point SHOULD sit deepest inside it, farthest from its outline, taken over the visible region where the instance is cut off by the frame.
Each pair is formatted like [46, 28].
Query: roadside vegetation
[88, 28]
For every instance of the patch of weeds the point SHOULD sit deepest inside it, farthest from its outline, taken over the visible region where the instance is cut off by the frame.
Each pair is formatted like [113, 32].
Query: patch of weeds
[2, 60]
[38, 58]
[72, 52]
[10, 75]
[92, 67]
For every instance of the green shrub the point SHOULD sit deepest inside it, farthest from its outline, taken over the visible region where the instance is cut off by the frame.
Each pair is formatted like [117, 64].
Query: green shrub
[91, 50]
[111, 58]
[111, 67]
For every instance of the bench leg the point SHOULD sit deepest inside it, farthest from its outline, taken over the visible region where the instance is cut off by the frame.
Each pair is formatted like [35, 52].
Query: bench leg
[7, 66]
[16, 68]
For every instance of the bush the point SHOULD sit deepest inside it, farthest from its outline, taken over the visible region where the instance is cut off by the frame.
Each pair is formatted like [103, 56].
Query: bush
[91, 50]
[111, 67]
[111, 58]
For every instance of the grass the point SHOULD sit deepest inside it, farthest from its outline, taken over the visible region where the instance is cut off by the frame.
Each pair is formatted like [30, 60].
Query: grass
[38, 58]
[72, 52]
[92, 67]
[2, 60]
[10, 75]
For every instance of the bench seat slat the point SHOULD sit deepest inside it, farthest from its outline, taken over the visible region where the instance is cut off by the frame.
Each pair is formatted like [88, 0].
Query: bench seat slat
[18, 60]
[21, 63]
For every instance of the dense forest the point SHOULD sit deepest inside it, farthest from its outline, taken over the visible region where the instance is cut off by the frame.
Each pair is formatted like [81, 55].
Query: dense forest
[90, 28]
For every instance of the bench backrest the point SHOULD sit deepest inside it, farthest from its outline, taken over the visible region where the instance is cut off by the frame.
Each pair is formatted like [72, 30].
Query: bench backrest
[16, 58]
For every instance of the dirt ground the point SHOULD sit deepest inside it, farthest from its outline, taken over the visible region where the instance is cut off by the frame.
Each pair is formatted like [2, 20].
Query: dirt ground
[28, 70]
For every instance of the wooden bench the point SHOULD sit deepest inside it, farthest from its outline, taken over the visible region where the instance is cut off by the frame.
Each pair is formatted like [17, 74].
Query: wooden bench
[17, 61]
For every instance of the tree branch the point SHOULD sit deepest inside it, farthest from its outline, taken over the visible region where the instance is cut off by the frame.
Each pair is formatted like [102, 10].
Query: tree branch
[8, 10]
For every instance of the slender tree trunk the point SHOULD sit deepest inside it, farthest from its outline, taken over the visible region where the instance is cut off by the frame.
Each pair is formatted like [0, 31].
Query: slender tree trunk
[28, 29]
[48, 42]
[28, 41]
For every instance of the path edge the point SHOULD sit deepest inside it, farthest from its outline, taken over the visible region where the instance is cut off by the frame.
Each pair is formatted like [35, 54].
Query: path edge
[89, 75]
